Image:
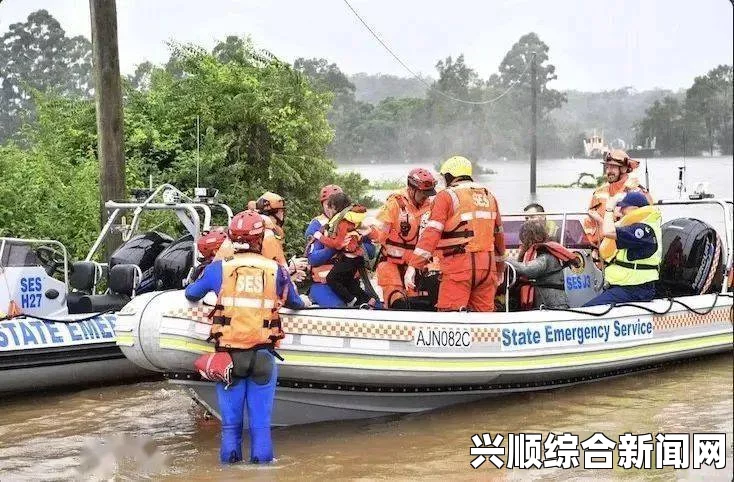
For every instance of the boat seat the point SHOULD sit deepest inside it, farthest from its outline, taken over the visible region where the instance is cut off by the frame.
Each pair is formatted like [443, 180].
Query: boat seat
[123, 280]
[82, 279]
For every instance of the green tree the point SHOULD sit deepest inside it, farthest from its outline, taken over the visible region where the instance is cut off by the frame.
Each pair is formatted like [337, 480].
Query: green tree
[37, 55]
[664, 120]
[346, 112]
[262, 128]
[709, 101]
[515, 68]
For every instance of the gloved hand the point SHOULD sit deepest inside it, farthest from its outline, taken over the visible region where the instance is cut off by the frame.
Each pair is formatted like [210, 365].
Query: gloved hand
[306, 300]
[409, 278]
[210, 299]
[297, 264]
[298, 276]
[500, 277]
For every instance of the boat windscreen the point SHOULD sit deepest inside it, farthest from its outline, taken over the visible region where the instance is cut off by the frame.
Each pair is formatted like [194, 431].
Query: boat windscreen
[573, 236]
[18, 255]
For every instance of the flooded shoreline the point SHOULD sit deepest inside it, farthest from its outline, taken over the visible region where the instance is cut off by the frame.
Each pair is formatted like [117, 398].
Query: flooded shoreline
[49, 439]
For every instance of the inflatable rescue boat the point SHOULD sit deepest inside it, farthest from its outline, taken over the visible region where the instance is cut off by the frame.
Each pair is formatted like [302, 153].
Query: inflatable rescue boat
[350, 363]
[57, 318]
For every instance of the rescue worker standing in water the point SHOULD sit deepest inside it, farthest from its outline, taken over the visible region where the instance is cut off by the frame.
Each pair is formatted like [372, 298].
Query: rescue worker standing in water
[617, 169]
[250, 289]
[464, 230]
[397, 230]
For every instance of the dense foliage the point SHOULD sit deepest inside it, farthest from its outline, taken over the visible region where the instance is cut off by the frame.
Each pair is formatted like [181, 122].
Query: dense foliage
[37, 55]
[262, 128]
[434, 127]
[702, 121]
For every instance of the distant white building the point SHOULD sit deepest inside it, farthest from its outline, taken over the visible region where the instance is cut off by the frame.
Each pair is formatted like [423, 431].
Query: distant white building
[594, 146]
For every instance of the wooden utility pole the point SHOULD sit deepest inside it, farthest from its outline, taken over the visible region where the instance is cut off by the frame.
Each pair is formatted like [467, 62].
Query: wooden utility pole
[108, 92]
[533, 125]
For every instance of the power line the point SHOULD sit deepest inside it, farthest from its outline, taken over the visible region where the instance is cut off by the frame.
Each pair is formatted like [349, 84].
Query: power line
[430, 87]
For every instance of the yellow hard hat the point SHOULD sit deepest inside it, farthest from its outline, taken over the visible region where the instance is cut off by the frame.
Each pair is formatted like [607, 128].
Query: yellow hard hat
[457, 166]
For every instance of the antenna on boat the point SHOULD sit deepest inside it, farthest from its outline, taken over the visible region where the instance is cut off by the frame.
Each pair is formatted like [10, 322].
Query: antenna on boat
[682, 171]
[197, 151]
[647, 176]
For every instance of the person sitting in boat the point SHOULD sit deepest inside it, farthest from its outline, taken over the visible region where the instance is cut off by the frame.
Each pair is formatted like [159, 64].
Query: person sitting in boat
[397, 230]
[540, 264]
[618, 169]
[342, 233]
[464, 229]
[271, 207]
[534, 211]
[632, 249]
[208, 245]
[250, 288]
[321, 259]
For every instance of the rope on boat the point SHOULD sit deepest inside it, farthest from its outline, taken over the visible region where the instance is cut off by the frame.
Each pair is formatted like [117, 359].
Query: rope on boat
[65, 321]
[672, 301]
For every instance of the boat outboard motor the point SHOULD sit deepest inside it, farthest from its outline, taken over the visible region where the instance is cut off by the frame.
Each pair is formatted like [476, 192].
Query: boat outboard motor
[173, 265]
[693, 259]
[142, 250]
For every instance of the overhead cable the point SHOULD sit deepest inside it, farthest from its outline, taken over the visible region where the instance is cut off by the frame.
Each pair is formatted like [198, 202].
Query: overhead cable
[513, 84]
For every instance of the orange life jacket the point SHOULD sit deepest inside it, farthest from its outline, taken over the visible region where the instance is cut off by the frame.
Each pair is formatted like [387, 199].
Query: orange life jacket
[599, 199]
[471, 228]
[248, 304]
[558, 251]
[404, 231]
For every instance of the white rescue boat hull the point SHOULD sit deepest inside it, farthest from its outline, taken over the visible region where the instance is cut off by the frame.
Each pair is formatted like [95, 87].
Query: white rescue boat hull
[348, 364]
[39, 355]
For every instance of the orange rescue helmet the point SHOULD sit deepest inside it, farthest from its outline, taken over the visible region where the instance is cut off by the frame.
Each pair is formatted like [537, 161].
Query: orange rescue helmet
[328, 190]
[209, 243]
[269, 202]
[246, 226]
[422, 180]
[618, 157]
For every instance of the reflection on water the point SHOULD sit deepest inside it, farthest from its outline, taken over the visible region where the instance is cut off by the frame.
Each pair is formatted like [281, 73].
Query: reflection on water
[45, 439]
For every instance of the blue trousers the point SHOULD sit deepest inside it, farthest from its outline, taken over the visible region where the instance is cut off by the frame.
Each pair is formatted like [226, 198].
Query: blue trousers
[257, 399]
[324, 296]
[624, 294]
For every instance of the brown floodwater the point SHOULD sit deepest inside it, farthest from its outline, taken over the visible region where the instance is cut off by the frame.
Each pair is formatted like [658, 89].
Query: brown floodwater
[48, 437]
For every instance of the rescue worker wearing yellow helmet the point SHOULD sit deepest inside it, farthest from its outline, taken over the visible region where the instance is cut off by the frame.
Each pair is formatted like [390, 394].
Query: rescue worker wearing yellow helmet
[397, 230]
[464, 230]
[618, 169]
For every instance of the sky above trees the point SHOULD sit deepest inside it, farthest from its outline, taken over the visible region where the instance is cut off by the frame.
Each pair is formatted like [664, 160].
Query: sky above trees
[595, 44]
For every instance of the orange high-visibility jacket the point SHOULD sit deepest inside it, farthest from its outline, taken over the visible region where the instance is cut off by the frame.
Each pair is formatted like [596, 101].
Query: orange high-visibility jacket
[599, 199]
[399, 223]
[248, 303]
[464, 218]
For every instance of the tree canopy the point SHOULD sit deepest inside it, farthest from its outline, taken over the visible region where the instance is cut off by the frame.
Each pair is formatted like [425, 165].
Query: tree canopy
[38, 55]
[702, 121]
[263, 127]
[435, 126]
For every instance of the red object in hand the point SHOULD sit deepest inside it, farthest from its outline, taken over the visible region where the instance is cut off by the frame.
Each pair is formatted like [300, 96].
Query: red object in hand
[216, 367]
